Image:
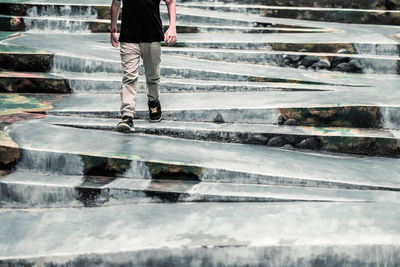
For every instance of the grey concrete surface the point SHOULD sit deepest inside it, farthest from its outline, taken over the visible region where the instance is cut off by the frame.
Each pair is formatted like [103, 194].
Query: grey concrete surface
[310, 231]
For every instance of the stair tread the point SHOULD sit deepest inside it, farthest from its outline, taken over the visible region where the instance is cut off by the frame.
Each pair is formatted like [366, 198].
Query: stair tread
[151, 229]
[50, 182]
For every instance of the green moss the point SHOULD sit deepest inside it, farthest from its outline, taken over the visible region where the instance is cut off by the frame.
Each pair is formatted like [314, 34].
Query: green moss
[104, 166]
[6, 35]
[313, 47]
[279, 80]
[342, 16]
[171, 171]
[9, 151]
[33, 84]
[346, 116]
[10, 102]
[25, 61]
[10, 23]
[361, 145]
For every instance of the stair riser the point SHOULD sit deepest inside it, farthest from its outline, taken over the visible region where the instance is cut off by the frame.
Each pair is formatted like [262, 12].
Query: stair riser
[44, 196]
[73, 64]
[74, 25]
[361, 4]
[33, 85]
[224, 255]
[342, 16]
[113, 87]
[74, 164]
[26, 62]
[44, 62]
[183, 18]
[355, 48]
[28, 9]
[374, 65]
[103, 12]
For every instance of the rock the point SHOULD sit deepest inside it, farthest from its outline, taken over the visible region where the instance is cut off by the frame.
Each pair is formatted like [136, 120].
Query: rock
[276, 141]
[343, 67]
[321, 65]
[291, 122]
[288, 146]
[256, 139]
[343, 51]
[355, 66]
[294, 59]
[308, 61]
[338, 60]
[287, 62]
[219, 118]
[309, 143]
[302, 67]
[291, 139]
[281, 120]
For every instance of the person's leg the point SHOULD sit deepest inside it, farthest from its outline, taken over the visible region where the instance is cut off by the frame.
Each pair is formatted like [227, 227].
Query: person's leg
[151, 54]
[130, 57]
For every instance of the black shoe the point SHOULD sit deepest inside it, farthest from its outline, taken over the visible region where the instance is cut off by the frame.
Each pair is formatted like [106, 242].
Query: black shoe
[126, 125]
[154, 111]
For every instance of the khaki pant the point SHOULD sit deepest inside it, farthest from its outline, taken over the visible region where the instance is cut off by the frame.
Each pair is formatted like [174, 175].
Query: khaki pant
[130, 57]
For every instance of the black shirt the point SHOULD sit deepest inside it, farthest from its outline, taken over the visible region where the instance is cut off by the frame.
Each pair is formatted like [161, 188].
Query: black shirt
[141, 22]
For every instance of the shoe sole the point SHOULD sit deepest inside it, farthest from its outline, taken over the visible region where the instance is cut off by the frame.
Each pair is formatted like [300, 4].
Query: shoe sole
[124, 128]
[155, 120]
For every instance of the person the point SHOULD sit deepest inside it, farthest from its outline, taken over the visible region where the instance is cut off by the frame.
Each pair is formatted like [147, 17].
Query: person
[140, 37]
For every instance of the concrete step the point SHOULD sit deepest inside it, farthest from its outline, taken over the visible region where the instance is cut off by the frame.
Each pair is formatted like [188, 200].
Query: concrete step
[363, 4]
[210, 234]
[57, 24]
[94, 11]
[92, 152]
[20, 58]
[247, 7]
[31, 82]
[308, 108]
[337, 14]
[343, 140]
[24, 59]
[82, 53]
[28, 190]
[317, 46]
[187, 68]
[365, 63]
[100, 83]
